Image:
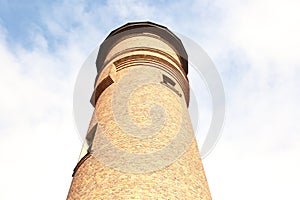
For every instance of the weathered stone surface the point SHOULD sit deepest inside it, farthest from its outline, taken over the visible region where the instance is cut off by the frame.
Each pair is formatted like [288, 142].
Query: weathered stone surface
[142, 116]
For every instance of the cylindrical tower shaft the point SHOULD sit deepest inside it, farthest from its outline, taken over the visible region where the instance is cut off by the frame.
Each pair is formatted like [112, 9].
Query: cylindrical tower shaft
[140, 143]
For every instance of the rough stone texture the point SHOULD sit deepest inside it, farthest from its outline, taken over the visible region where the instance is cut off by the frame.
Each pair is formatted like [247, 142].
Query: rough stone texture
[151, 107]
[184, 179]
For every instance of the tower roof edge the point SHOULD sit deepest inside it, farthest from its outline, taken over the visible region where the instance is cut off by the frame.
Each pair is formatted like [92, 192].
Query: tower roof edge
[137, 28]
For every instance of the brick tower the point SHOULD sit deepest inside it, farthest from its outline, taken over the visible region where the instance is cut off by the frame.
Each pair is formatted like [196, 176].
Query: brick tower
[140, 142]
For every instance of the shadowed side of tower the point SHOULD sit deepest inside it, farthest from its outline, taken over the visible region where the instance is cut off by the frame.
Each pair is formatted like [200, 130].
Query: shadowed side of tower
[140, 143]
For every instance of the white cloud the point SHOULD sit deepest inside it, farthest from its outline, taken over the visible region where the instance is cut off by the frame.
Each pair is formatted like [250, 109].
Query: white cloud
[256, 50]
[37, 132]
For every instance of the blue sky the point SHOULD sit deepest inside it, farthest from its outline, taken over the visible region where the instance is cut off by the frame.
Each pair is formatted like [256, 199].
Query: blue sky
[254, 45]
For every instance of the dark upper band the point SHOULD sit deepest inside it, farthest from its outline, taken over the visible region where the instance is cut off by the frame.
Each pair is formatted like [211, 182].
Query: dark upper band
[136, 28]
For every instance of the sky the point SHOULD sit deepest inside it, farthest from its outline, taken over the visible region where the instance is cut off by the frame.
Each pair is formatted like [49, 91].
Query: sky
[254, 44]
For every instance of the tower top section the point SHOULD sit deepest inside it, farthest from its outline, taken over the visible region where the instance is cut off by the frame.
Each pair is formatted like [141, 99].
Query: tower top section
[141, 28]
